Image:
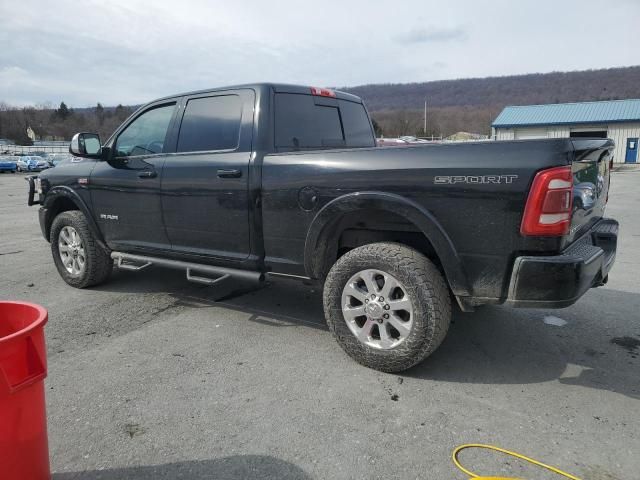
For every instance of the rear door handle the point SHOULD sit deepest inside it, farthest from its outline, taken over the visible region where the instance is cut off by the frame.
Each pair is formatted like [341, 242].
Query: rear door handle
[147, 174]
[232, 173]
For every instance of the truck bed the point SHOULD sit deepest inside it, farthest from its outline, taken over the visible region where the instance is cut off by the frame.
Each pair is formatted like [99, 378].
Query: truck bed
[475, 193]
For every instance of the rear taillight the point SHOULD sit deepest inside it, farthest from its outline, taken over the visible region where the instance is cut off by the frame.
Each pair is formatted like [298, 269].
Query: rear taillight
[323, 92]
[548, 208]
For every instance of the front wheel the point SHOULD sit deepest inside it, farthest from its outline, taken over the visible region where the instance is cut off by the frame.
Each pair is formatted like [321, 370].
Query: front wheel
[77, 255]
[387, 305]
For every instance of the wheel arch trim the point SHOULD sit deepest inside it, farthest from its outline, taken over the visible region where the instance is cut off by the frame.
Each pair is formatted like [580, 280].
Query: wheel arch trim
[325, 222]
[63, 192]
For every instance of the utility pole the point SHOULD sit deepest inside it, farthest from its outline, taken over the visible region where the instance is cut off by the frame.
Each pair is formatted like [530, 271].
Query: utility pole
[425, 117]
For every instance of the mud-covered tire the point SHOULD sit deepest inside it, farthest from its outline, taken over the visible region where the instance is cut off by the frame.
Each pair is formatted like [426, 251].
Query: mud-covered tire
[427, 291]
[98, 264]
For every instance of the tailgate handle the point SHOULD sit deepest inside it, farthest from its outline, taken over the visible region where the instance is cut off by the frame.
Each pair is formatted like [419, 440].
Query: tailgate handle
[231, 173]
[147, 174]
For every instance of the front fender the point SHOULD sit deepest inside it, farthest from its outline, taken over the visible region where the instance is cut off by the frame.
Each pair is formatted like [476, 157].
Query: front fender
[322, 230]
[51, 207]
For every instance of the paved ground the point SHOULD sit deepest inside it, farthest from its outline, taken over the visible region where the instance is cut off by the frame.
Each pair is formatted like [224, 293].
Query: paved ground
[153, 377]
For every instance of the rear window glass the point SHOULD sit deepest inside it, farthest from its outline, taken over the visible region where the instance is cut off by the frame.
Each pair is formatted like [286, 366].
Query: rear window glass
[211, 123]
[355, 121]
[300, 124]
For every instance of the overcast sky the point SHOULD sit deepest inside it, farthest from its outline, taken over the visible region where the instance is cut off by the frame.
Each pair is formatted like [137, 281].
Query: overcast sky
[132, 51]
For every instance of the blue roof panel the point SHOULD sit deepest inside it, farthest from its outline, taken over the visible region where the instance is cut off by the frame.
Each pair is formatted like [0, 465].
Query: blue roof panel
[569, 113]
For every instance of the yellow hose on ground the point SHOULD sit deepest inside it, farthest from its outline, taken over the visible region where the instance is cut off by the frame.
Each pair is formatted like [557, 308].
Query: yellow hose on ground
[456, 462]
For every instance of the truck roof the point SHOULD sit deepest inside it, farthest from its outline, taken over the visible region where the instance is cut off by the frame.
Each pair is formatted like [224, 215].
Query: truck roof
[277, 87]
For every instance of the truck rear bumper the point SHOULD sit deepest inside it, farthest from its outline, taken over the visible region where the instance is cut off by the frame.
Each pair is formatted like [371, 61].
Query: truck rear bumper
[560, 280]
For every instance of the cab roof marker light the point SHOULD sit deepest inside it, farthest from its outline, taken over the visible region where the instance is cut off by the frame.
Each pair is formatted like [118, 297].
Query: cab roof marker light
[322, 92]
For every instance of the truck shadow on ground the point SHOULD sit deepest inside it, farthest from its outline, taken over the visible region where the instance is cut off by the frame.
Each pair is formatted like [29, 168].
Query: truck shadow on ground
[280, 303]
[498, 345]
[494, 345]
[237, 467]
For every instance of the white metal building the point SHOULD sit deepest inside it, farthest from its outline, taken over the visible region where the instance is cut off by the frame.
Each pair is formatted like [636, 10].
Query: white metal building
[617, 119]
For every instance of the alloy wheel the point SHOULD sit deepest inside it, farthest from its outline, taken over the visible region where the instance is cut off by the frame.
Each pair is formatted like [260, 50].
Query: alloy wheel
[72, 252]
[377, 309]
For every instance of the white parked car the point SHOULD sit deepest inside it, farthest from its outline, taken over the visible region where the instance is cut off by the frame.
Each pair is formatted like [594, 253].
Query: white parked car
[31, 163]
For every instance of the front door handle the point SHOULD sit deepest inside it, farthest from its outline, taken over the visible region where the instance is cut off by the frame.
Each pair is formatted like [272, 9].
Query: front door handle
[231, 173]
[147, 174]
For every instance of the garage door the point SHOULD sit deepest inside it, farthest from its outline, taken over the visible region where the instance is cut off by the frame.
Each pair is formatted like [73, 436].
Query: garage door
[529, 133]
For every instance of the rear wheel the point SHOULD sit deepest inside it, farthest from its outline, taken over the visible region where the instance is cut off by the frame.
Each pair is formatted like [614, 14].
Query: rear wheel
[387, 305]
[77, 255]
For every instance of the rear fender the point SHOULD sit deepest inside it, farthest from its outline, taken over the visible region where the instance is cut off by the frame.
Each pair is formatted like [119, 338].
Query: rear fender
[322, 233]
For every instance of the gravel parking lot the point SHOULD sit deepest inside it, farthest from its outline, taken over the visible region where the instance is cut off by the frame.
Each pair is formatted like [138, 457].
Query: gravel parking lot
[154, 377]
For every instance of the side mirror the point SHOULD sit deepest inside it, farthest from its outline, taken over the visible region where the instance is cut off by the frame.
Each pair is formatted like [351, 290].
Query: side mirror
[86, 145]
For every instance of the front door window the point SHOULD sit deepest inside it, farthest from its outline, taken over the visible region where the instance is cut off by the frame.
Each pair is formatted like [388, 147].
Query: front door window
[146, 134]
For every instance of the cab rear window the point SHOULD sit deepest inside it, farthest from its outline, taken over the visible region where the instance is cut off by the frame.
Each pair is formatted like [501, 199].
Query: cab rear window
[303, 124]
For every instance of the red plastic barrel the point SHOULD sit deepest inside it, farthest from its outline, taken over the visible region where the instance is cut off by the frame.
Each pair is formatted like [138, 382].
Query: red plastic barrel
[24, 452]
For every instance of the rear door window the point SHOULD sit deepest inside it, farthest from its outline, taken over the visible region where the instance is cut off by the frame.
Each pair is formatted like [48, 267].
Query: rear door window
[211, 123]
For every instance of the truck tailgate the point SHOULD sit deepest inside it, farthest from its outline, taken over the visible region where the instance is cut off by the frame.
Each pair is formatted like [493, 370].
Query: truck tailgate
[591, 168]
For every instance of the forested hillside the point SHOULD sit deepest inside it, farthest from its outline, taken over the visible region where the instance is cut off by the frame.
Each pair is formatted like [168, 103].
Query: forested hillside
[471, 104]
[556, 87]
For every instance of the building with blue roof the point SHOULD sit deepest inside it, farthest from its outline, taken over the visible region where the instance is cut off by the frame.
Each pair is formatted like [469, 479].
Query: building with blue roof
[615, 119]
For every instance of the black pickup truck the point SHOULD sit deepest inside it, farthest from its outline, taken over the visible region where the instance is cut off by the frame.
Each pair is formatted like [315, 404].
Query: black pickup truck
[287, 181]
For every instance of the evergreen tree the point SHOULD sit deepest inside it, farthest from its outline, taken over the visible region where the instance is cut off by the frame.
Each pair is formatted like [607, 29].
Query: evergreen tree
[63, 111]
[100, 113]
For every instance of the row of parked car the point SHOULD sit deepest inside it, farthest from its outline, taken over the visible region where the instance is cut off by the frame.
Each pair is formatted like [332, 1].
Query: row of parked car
[31, 163]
